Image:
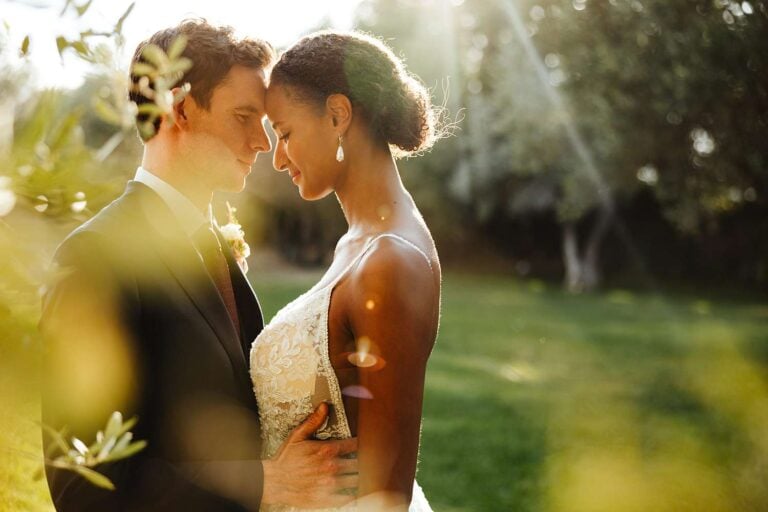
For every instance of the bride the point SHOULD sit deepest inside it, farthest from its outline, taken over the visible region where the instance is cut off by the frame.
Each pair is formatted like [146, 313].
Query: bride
[342, 106]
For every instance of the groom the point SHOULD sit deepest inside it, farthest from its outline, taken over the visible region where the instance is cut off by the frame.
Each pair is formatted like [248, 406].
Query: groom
[153, 317]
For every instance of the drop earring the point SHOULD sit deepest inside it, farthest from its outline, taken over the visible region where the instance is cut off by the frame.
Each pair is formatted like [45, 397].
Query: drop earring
[340, 151]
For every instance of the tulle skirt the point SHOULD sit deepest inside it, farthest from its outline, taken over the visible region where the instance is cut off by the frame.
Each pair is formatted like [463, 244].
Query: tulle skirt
[419, 502]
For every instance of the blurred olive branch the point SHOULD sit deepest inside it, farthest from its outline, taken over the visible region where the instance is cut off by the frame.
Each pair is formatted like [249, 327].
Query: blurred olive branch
[159, 73]
[46, 169]
[113, 443]
[57, 132]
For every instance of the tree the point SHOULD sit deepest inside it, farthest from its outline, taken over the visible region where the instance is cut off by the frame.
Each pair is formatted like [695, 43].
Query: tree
[573, 106]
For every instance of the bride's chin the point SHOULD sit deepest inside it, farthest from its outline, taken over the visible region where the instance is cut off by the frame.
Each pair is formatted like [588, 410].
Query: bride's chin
[309, 195]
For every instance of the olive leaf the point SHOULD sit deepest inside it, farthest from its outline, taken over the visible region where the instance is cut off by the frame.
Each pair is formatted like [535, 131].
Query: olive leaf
[61, 44]
[155, 55]
[119, 24]
[94, 477]
[113, 443]
[24, 46]
[177, 47]
[81, 9]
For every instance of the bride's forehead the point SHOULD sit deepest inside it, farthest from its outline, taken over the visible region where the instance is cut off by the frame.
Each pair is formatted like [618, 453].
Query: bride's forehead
[278, 101]
[277, 93]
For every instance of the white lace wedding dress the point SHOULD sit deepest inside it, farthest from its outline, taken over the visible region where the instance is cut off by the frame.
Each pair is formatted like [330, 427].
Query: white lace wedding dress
[292, 373]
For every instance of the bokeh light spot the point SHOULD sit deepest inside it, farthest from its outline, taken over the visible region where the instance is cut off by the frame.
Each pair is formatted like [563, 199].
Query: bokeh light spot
[356, 391]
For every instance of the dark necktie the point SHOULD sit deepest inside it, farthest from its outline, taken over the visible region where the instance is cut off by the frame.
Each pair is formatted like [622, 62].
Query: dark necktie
[207, 243]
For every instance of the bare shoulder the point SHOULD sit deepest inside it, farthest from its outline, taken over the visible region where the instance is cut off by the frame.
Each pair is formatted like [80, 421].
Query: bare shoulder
[392, 262]
[394, 280]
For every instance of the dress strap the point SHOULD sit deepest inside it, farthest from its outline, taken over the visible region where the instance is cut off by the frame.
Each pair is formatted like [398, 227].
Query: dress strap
[407, 242]
[367, 247]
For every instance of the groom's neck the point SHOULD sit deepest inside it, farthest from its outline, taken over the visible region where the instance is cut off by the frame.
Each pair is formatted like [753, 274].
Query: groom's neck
[179, 176]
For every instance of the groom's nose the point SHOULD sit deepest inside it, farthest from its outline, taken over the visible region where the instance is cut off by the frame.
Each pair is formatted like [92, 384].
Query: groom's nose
[259, 140]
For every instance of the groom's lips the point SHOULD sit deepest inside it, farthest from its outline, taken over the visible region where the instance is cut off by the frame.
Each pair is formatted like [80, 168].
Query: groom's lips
[247, 164]
[295, 175]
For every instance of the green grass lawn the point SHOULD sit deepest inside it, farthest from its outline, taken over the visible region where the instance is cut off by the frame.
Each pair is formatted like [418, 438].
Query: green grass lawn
[538, 400]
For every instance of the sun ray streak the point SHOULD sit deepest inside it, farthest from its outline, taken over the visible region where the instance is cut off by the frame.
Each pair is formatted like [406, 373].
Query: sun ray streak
[572, 132]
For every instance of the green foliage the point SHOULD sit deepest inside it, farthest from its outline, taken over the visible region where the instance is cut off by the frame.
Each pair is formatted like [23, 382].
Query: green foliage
[112, 444]
[667, 97]
[670, 97]
[51, 170]
[574, 107]
[49, 163]
[679, 90]
[11, 77]
[25, 46]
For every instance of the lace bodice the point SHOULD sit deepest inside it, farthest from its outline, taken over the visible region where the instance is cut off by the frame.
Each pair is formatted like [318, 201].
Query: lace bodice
[292, 373]
[291, 368]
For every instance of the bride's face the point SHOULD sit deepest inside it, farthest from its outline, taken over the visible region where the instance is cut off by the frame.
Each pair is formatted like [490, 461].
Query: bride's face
[307, 142]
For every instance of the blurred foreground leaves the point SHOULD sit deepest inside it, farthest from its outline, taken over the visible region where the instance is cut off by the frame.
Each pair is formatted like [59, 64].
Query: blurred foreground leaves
[111, 444]
[53, 176]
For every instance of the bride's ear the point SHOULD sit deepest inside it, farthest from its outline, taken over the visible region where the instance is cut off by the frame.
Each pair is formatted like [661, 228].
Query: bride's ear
[339, 108]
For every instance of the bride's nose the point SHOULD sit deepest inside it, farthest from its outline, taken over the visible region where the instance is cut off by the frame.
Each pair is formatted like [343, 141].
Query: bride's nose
[280, 157]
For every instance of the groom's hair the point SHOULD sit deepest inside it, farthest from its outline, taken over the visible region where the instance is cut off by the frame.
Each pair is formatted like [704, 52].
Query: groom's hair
[213, 51]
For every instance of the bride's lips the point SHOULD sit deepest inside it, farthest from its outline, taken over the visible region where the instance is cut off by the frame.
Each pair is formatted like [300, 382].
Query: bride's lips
[295, 176]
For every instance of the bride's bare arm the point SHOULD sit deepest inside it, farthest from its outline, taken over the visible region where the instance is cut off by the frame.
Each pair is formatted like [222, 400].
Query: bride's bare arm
[390, 300]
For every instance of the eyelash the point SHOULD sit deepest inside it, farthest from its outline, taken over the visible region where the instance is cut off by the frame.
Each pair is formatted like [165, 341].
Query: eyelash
[284, 138]
[241, 118]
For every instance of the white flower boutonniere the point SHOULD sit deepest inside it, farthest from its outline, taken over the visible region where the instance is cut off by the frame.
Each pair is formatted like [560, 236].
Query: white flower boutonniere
[235, 236]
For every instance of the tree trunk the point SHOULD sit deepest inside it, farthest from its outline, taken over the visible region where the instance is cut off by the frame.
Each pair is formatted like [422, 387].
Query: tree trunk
[571, 258]
[591, 274]
[582, 272]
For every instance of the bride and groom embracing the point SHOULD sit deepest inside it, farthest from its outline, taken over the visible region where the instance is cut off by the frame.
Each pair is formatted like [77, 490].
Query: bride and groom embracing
[319, 409]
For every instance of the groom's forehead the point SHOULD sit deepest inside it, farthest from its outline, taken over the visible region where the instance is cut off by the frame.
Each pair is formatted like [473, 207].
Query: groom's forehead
[242, 85]
[241, 76]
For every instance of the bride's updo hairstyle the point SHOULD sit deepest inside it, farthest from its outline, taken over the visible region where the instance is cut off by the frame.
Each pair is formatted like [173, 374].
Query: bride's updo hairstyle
[395, 105]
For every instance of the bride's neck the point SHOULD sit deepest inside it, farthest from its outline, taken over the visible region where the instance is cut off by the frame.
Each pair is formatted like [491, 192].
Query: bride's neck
[371, 192]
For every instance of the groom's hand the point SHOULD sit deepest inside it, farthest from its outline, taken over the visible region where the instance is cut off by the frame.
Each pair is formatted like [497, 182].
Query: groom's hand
[311, 474]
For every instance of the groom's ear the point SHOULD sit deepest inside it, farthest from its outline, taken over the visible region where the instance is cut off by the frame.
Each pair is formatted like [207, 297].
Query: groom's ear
[339, 108]
[179, 111]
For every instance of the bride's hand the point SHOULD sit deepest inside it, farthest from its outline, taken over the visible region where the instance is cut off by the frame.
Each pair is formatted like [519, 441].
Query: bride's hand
[311, 474]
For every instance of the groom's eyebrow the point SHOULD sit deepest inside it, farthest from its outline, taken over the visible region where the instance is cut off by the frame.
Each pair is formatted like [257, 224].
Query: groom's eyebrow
[248, 108]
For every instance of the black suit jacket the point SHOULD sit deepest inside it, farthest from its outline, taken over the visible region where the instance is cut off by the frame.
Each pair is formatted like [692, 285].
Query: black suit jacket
[134, 323]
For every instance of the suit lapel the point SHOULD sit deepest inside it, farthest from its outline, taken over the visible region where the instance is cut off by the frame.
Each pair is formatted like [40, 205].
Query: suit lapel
[248, 307]
[184, 263]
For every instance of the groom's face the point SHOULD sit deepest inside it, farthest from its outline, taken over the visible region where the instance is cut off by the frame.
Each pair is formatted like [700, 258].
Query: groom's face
[222, 141]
